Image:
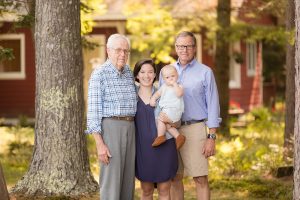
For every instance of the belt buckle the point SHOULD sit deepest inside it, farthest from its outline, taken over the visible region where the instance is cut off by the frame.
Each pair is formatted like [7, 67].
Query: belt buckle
[186, 123]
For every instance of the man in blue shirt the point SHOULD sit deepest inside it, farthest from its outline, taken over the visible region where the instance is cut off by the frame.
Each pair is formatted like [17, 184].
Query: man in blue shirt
[112, 103]
[201, 110]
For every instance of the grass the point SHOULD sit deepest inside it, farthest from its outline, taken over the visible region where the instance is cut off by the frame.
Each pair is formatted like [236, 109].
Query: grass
[15, 160]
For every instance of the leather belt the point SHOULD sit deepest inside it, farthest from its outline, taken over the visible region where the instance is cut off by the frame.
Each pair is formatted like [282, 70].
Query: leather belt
[125, 118]
[192, 122]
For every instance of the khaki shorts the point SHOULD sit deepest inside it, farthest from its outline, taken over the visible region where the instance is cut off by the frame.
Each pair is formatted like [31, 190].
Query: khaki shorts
[191, 160]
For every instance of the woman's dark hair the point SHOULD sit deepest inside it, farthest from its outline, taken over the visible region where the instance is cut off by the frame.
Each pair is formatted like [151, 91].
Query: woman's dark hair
[139, 64]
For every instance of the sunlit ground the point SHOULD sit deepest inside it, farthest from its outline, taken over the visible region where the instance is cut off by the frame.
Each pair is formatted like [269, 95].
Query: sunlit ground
[221, 189]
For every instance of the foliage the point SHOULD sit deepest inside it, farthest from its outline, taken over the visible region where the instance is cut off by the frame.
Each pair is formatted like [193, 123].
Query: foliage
[251, 33]
[153, 38]
[8, 6]
[21, 147]
[275, 8]
[86, 44]
[21, 10]
[6, 54]
[88, 9]
[93, 156]
[24, 12]
[25, 20]
[148, 32]
[274, 60]
[15, 158]
[254, 150]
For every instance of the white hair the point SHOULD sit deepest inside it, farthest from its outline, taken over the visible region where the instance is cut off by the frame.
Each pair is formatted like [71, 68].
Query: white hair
[112, 38]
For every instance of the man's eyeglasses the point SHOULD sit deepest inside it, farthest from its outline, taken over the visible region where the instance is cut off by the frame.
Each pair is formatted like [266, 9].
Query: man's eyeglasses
[182, 47]
[125, 51]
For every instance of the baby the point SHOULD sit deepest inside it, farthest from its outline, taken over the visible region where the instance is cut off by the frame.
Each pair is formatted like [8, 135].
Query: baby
[170, 103]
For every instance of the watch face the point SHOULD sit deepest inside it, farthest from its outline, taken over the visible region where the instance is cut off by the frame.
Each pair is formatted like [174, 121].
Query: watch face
[211, 136]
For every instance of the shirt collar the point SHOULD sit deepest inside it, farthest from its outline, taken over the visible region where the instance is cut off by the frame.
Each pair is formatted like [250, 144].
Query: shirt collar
[190, 64]
[114, 69]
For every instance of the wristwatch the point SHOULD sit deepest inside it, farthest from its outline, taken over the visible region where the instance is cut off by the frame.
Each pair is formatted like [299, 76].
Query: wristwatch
[211, 136]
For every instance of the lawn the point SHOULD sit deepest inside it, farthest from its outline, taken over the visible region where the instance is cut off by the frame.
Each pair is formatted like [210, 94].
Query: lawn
[243, 168]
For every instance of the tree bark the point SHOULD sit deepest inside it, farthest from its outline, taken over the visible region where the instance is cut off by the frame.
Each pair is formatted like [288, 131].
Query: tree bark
[222, 61]
[60, 164]
[3, 189]
[297, 107]
[290, 84]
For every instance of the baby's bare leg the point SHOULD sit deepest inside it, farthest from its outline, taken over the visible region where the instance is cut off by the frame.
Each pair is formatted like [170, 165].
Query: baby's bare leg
[161, 128]
[161, 137]
[173, 131]
[179, 138]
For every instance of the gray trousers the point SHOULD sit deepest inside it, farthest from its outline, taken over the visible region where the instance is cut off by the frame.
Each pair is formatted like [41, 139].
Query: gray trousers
[118, 177]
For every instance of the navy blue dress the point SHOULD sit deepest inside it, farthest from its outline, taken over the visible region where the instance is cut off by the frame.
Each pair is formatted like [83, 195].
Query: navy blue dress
[157, 164]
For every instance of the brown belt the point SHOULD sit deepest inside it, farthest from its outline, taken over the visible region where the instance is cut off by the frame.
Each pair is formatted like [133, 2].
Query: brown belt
[126, 118]
[191, 122]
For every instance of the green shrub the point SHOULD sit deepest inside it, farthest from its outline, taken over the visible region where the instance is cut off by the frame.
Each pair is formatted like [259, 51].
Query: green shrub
[256, 149]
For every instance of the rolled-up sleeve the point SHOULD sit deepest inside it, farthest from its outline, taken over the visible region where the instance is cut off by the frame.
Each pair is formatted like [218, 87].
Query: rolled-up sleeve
[95, 104]
[212, 100]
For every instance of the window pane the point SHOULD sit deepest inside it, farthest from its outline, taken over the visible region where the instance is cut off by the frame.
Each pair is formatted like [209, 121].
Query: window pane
[13, 65]
[251, 58]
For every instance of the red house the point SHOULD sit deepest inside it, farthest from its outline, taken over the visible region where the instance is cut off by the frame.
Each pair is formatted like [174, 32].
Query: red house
[17, 77]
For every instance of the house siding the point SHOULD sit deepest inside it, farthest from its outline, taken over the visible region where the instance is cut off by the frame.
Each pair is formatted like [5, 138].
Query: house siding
[250, 94]
[17, 97]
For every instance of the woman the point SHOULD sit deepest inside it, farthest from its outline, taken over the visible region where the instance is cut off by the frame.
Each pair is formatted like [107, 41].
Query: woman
[153, 165]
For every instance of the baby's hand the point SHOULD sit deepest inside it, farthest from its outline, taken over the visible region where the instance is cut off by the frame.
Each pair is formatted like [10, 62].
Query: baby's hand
[152, 102]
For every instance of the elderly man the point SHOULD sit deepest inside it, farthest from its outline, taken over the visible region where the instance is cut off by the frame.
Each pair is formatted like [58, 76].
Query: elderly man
[112, 103]
[201, 110]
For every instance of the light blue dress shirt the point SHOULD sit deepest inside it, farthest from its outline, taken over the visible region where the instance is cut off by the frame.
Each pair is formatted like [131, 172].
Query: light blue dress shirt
[110, 93]
[201, 98]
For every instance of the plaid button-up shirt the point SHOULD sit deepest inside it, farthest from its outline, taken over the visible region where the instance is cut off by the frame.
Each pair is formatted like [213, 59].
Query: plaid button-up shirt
[110, 93]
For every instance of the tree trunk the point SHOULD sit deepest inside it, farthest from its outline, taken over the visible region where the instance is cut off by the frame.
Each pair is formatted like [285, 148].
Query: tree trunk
[222, 61]
[3, 188]
[60, 164]
[297, 107]
[290, 85]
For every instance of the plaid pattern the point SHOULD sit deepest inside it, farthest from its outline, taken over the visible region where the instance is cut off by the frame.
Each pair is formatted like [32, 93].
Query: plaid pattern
[110, 93]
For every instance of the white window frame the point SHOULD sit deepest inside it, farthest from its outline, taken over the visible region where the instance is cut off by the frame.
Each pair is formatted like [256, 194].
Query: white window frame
[15, 75]
[251, 58]
[235, 82]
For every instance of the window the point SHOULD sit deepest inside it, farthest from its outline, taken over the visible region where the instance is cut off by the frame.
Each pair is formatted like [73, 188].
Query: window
[251, 58]
[15, 68]
[235, 66]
